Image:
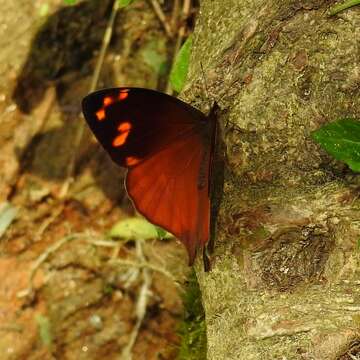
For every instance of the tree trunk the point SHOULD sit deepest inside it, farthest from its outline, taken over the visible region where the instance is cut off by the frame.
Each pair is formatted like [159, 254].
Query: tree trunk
[284, 276]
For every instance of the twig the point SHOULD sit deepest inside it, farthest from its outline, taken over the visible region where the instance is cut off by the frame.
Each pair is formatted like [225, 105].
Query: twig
[42, 258]
[12, 327]
[160, 14]
[145, 264]
[180, 36]
[175, 14]
[141, 304]
[117, 245]
[104, 46]
[104, 243]
[352, 356]
[94, 81]
[48, 222]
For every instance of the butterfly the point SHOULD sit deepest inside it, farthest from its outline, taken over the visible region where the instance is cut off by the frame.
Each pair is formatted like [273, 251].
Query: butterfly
[167, 147]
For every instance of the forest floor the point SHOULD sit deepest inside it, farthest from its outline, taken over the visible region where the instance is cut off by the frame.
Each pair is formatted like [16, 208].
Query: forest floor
[67, 290]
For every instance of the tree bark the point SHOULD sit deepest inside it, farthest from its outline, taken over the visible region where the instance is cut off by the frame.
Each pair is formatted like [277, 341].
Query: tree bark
[285, 273]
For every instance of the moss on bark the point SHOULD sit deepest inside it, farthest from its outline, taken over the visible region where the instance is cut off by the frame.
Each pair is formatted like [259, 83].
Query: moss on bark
[286, 265]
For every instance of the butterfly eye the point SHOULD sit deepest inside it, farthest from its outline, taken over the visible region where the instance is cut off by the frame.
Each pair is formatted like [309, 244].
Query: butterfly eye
[124, 129]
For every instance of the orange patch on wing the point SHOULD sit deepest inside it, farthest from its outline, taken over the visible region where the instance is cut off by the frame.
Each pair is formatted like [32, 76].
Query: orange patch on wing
[123, 95]
[132, 160]
[108, 100]
[120, 139]
[100, 114]
[125, 126]
[124, 129]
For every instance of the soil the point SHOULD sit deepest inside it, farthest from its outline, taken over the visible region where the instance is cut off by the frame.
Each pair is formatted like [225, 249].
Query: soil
[82, 304]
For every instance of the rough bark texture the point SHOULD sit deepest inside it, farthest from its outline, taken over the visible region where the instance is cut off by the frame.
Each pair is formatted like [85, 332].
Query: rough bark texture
[284, 282]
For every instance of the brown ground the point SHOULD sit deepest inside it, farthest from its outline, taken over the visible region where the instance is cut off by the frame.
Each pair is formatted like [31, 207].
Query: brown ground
[81, 306]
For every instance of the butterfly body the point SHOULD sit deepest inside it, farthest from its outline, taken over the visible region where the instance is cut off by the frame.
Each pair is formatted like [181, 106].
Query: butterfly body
[167, 147]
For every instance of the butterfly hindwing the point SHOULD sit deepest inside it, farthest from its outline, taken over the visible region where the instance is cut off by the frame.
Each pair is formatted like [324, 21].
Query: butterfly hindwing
[165, 188]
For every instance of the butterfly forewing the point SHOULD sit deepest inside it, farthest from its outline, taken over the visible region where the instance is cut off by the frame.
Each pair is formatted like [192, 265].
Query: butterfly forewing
[167, 146]
[134, 123]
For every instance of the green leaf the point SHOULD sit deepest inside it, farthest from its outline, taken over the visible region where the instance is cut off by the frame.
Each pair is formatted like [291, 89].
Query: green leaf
[108, 289]
[44, 10]
[341, 139]
[70, 2]
[124, 3]
[163, 234]
[135, 229]
[7, 215]
[44, 329]
[180, 67]
[345, 5]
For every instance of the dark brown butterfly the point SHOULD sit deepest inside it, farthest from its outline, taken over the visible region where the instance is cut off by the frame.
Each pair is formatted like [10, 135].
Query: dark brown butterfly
[168, 148]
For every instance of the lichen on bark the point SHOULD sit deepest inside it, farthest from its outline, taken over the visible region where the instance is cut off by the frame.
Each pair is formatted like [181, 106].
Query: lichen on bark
[285, 269]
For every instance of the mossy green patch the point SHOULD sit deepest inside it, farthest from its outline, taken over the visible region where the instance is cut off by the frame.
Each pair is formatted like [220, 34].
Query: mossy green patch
[192, 330]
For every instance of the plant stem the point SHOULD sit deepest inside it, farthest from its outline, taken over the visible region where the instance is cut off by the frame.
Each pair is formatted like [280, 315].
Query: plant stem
[340, 7]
